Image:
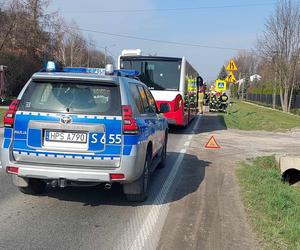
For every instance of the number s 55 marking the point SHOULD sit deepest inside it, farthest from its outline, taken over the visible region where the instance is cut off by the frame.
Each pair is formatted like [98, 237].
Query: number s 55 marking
[112, 139]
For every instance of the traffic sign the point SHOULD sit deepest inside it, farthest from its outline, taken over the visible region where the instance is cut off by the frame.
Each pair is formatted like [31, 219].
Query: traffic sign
[230, 77]
[231, 66]
[220, 85]
[212, 143]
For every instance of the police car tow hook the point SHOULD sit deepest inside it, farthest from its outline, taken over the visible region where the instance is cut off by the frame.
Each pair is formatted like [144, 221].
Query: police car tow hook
[107, 185]
[54, 183]
[62, 183]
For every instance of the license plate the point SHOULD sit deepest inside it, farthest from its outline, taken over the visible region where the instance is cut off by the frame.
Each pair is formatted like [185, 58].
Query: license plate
[73, 137]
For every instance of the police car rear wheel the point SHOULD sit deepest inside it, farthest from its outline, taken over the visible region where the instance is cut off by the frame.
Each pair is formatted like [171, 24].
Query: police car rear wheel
[143, 184]
[35, 186]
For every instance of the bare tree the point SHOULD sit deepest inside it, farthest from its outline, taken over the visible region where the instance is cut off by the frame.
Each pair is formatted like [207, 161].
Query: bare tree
[280, 43]
[247, 63]
[29, 37]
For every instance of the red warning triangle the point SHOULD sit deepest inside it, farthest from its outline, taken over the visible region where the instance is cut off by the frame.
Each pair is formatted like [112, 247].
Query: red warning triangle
[212, 143]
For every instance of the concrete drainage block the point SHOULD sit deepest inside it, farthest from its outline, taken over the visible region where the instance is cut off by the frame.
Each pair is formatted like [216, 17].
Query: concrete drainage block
[290, 168]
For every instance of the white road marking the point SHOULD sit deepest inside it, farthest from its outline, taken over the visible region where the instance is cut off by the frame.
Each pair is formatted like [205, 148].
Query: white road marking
[187, 143]
[154, 222]
[196, 124]
[149, 233]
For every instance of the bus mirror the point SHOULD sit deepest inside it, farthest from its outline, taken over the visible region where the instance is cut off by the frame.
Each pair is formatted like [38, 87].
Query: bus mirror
[164, 108]
[200, 81]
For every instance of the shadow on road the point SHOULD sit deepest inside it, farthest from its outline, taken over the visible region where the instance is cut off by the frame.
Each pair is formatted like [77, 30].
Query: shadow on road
[189, 177]
[208, 123]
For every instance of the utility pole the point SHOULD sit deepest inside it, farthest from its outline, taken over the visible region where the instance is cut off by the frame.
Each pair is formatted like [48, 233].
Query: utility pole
[274, 91]
[2, 80]
[242, 85]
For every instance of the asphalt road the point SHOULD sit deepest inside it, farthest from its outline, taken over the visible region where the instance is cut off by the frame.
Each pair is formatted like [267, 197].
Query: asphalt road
[93, 218]
[194, 202]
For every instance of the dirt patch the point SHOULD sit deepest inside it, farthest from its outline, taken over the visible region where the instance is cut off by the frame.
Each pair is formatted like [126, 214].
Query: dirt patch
[213, 217]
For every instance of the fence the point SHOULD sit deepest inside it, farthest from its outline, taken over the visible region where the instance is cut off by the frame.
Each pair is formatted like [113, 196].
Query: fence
[268, 99]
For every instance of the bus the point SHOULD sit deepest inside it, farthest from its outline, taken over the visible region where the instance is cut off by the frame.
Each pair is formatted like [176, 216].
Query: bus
[171, 80]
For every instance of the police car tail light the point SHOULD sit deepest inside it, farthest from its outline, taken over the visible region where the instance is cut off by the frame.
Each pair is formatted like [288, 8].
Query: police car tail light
[9, 117]
[178, 102]
[12, 170]
[117, 176]
[129, 123]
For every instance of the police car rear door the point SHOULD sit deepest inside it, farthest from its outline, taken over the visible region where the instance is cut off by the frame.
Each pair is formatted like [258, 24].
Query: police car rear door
[69, 122]
[150, 117]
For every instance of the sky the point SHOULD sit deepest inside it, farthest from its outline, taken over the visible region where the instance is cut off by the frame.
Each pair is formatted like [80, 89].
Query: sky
[228, 24]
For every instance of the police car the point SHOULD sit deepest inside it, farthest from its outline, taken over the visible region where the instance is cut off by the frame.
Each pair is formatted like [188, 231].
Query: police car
[80, 127]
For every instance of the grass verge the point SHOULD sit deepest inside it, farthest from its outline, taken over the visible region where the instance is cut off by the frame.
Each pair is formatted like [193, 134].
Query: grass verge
[246, 116]
[273, 206]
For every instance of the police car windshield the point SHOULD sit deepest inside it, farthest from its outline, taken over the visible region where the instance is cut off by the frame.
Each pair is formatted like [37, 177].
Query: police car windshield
[156, 74]
[73, 97]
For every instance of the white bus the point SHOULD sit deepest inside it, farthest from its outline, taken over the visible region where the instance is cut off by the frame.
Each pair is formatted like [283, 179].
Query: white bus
[171, 80]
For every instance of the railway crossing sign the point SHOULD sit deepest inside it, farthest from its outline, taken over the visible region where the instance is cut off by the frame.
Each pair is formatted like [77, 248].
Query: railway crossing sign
[230, 77]
[220, 85]
[231, 66]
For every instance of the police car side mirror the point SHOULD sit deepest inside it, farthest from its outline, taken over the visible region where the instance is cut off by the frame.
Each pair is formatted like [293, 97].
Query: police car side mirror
[164, 108]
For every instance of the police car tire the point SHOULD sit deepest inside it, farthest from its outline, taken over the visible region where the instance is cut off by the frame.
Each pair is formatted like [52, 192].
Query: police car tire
[142, 196]
[35, 186]
[162, 163]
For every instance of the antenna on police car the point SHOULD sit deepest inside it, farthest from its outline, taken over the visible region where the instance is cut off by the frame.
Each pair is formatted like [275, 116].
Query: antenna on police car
[109, 69]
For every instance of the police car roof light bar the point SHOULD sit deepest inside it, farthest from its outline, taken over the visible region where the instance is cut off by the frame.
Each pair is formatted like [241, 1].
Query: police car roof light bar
[99, 71]
[51, 66]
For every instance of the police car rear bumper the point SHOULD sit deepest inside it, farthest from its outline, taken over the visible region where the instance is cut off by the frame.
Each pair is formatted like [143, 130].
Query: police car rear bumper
[63, 173]
[130, 170]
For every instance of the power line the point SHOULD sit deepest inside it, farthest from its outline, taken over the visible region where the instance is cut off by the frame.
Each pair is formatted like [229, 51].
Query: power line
[177, 9]
[157, 40]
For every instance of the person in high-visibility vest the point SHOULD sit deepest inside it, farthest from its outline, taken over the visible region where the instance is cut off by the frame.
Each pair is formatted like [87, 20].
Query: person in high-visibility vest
[201, 99]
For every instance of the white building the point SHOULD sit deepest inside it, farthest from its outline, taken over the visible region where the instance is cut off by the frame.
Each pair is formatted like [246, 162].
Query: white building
[253, 78]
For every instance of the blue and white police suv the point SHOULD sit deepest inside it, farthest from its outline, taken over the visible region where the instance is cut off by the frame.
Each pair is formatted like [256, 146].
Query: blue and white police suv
[80, 127]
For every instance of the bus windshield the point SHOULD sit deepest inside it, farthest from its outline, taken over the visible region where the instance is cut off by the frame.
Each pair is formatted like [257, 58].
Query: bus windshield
[156, 74]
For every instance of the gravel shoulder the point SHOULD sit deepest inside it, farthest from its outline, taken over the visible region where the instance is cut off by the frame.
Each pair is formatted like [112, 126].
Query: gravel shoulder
[213, 216]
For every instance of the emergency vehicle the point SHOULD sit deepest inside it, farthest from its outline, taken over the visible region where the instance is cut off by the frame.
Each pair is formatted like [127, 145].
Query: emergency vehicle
[84, 126]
